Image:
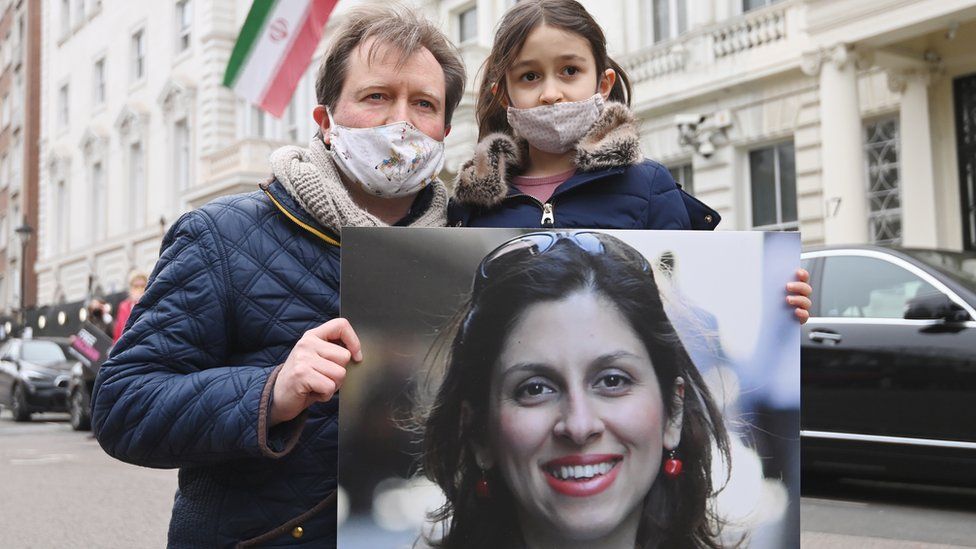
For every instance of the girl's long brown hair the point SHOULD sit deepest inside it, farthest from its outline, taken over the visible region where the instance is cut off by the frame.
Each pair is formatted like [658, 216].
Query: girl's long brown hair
[515, 27]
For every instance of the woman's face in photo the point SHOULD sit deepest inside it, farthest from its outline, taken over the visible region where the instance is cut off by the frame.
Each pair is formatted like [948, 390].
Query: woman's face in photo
[576, 420]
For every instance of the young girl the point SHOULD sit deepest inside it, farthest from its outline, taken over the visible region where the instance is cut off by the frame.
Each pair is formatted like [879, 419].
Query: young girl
[559, 146]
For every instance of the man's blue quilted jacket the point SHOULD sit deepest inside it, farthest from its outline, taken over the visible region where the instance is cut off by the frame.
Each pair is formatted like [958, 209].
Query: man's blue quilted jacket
[188, 385]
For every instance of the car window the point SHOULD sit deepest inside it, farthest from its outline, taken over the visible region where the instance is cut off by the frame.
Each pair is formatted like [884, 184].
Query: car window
[867, 287]
[42, 352]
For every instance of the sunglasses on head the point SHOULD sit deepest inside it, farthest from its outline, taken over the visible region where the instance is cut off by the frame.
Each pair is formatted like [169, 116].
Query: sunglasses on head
[536, 244]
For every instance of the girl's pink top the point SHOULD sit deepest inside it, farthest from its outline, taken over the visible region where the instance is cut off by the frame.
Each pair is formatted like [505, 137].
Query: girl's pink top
[541, 188]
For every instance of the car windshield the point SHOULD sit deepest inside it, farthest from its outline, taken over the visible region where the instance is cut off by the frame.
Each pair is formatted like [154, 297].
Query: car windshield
[959, 265]
[41, 352]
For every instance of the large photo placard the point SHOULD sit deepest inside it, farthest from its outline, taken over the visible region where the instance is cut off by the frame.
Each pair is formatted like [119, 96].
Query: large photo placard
[540, 388]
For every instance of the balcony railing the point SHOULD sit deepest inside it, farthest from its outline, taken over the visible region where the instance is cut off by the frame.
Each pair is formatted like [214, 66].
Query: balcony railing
[701, 47]
[754, 30]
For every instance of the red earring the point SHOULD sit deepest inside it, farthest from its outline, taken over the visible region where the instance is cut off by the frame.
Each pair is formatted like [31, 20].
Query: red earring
[481, 488]
[672, 465]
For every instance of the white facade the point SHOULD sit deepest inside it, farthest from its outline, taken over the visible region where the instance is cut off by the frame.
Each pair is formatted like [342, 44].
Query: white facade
[13, 47]
[856, 96]
[798, 107]
[137, 129]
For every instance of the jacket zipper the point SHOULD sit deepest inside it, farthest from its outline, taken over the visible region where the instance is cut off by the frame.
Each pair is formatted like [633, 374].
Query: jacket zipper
[548, 217]
[548, 213]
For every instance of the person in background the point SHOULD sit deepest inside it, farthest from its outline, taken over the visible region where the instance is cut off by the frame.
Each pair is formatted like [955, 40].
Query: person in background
[137, 287]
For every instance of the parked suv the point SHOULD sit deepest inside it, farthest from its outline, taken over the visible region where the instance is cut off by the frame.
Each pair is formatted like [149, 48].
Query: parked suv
[33, 377]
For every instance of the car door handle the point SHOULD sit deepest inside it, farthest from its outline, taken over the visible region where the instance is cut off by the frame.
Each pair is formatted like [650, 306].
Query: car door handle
[820, 336]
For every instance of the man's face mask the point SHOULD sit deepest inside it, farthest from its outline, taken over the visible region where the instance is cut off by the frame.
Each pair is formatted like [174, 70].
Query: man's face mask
[556, 128]
[389, 161]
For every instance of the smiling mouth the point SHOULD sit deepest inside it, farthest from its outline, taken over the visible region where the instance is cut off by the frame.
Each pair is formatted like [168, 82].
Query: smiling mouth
[582, 476]
[581, 472]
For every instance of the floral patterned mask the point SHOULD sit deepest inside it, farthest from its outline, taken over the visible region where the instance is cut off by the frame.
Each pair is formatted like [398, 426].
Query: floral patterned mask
[389, 161]
[556, 128]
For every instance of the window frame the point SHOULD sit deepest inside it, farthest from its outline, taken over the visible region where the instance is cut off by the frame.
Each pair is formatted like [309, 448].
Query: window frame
[64, 104]
[684, 168]
[137, 185]
[871, 194]
[137, 55]
[765, 4]
[676, 26]
[183, 25]
[779, 224]
[99, 88]
[460, 14]
[99, 200]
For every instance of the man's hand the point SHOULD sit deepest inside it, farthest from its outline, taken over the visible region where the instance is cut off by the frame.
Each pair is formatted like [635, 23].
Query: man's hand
[800, 295]
[314, 369]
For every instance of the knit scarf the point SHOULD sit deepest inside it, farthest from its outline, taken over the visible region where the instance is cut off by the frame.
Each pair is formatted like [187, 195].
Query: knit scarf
[310, 177]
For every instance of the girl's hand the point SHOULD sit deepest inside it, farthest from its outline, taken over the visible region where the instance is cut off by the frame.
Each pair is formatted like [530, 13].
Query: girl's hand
[800, 295]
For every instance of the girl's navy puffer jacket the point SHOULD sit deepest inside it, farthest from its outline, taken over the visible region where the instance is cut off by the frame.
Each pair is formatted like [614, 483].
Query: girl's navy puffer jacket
[614, 187]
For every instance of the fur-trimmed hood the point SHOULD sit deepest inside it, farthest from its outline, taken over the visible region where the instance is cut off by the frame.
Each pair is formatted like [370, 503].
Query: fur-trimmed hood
[484, 181]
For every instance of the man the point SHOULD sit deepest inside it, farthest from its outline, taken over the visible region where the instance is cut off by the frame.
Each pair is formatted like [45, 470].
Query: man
[230, 366]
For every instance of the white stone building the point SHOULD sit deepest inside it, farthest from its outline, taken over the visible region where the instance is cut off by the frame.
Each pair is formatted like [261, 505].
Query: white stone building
[851, 121]
[137, 129]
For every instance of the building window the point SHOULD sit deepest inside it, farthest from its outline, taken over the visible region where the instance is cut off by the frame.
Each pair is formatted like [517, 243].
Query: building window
[63, 111]
[884, 178]
[98, 211]
[181, 149]
[772, 173]
[98, 82]
[137, 186]
[749, 5]
[20, 30]
[684, 176]
[5, 111]
[138, 55]
[468, 25]
[61, 219]
[670, 19]
[184, 22]
[65, 18]
[79, 12]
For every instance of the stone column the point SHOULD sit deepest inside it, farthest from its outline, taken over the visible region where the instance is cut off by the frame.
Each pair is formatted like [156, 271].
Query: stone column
[842, 148]
[916, 178]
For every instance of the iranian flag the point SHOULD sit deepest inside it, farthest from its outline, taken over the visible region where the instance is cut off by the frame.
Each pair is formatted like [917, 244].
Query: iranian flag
[274, 49]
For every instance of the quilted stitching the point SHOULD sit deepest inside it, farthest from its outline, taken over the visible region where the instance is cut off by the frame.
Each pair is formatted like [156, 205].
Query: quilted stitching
[236, 285]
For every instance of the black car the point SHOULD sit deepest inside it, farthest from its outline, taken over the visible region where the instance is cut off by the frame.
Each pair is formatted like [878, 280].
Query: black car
[33, 376]
[889, 364]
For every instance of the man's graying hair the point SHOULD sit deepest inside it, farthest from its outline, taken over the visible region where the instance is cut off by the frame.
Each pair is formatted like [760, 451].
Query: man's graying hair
[395, 26]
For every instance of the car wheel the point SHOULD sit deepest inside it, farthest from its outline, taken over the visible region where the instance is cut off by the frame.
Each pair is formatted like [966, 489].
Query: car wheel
[78, 407]
[19, 404]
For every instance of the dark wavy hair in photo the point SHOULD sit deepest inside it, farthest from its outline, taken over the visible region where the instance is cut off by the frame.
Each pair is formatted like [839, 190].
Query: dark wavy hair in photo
[547, 267]
[512, 32]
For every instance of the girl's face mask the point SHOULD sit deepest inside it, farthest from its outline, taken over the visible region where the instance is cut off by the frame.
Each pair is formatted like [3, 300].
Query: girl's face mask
[390, 161]
[558, 127]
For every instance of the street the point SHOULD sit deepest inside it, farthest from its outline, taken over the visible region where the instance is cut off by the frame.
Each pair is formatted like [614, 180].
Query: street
[61, 490]
[886, 515]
